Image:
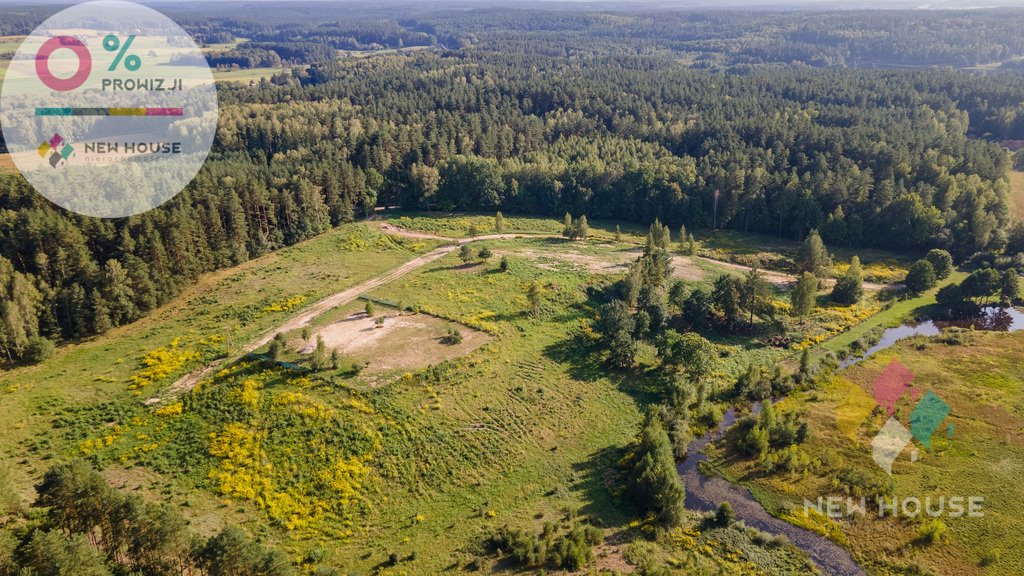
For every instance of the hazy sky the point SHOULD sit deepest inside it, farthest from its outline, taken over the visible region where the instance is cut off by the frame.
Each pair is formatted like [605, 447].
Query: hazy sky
[666, 4]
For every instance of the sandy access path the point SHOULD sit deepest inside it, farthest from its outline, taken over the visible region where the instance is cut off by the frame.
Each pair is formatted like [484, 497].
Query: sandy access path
[189, 381]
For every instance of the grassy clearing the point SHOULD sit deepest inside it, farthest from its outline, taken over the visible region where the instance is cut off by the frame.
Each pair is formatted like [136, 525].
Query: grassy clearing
[246, 75]
[402, 342]
[224, 46]
[748, 249]
[980, 381]
[9, 44]
[1017, 194]
[368, 53]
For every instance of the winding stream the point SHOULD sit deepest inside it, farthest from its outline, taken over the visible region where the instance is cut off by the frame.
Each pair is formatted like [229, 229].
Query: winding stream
[704, 494]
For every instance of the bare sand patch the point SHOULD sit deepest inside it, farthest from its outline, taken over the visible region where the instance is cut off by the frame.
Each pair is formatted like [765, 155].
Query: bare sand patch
[401, 342]
[615, 261]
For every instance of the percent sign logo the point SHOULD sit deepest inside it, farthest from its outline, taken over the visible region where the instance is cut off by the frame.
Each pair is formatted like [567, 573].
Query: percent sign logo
[111, 43]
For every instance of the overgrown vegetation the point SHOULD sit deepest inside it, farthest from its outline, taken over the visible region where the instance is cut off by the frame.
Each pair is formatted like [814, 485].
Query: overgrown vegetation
[79, 525]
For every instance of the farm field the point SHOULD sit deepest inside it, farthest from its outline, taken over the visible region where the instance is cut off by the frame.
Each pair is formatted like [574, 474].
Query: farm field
[979, 380]
[6, 164]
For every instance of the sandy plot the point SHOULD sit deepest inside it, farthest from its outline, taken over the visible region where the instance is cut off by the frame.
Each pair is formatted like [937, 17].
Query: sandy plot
[401, 342]
[615, 261]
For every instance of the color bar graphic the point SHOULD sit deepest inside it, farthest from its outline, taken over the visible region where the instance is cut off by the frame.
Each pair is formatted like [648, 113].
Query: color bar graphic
[110, 112]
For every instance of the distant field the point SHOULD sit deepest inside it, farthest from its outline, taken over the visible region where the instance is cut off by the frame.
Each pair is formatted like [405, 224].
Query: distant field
[365, 53]
[10, 43]
[1017, 194]
[224, 46]
[6, 165]
[245, 75]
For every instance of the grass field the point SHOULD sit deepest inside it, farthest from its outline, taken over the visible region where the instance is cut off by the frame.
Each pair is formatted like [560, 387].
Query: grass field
[10, 43]
[245, 75]
[1017, 194]
[980, 381]
[224, 46]
[747, 249]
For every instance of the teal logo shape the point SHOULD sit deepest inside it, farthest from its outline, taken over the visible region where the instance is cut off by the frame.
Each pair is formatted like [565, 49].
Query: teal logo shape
[927, 417]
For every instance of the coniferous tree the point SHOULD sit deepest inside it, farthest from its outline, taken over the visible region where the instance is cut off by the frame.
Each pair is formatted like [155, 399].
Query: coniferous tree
[813, 257]
[654, 482]
[804, 295]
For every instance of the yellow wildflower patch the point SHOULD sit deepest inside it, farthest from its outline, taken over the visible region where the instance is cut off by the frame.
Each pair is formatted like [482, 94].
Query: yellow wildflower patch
[161, 363]
[286, 305]
[170, 410]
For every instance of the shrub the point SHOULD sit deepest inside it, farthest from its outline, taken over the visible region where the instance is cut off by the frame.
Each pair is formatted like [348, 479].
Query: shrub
[942, 263]
[643, 555]
[504, 264]
[569, 551]
[849, 287]
[990, 557]
[453, 337]
[277, 347]
[921, 277]
[38, 349]
[485, 253]
[724, 516]
[932, 532]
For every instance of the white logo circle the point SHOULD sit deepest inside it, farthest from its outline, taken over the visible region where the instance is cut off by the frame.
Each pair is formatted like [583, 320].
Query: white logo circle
[109, 109]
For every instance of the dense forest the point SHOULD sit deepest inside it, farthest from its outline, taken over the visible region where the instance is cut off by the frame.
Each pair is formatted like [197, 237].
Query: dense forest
[897, 159]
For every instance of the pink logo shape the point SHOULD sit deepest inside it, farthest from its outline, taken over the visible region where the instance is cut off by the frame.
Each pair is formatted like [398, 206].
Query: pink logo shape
[894, 381]
[43, 63]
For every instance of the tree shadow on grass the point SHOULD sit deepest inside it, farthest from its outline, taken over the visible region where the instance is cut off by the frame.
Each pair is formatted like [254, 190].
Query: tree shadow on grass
[646, 384]
[597, 477]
